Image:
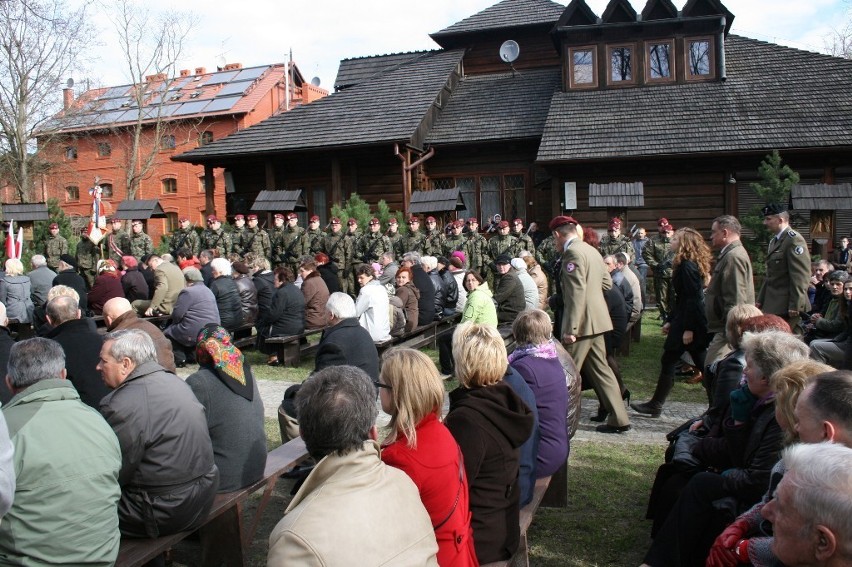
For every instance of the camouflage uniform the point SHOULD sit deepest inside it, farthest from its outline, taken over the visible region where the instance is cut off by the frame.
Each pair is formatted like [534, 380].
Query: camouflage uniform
[549, 259]
[185, 238]
[524, 242]
[292, 245]
[54, 247]
[413, 242]
[622, 243]
[501, 244]
[87, 256]
[451, 243]
[432, 245]
[256, 242]
[658, 255]
[369, 247]
[118, 239]
[314, 237]
[218, 240]
[239, 239]
[140, 244]
[339, 250]
[474, 250]
[394, 239]
[353, 238]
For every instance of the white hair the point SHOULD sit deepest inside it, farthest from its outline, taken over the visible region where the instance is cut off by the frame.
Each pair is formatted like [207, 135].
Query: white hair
[519, 264]
[38, 261]
[221, 265]
[428, 263]
[340, 305]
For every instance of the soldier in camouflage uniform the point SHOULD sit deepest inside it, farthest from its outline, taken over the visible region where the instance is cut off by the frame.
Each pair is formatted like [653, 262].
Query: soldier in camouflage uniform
[276, 237]
[338, 248]
[140, 243]
[658, 255]
[292, 244]
[352, 235]
[393, 234]
[314, 235]
[525, 241]
[185, 237]
[238, 235]
[414, 241]
[613, 241]
[371, 245]
[549, 259]
[432, 245]
[455, 241]
[503, 243]
[117, 242]
[255, 241]
[215, 238]
[474, 246]
[54, 247]
[87, 256]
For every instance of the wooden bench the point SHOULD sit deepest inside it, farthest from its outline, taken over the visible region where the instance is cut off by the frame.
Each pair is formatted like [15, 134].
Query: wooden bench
[550, 492]
[289, 349]
[427, 335]
[223, 539]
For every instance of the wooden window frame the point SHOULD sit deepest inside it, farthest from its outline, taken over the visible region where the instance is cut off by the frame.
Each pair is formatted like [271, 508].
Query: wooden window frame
[477, 191]
[609, 49]
[595, 80]
[672, 62]
[104, 150]
[205, 138]
[168, 181]
[111, 189]
[171, 222]
[70, 153]
[168, 143]
[687, 43]
[68, 197]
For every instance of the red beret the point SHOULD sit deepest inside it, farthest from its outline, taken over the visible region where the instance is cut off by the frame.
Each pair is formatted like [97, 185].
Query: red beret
[212, 218]
[54, 225]
[662, 221]
[666, 228]
[430, 219]
[561, 221]
[374, 220]
[251, 217]
[459, 224]
[279, 216]
[518, 221]
[503, 224]
[335, 220]
[292, 216]
[315, 218]
[239, 217]
[183, 219]
[615, 222]
[352, 222]
[472, 220]
[413, 218]
[392, 220]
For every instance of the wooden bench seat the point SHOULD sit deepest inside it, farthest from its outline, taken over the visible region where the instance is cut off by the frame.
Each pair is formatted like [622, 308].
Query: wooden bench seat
[289, 349]
[223, 538]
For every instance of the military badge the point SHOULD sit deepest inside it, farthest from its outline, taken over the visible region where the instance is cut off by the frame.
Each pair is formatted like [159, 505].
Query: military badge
[570, 267]
[798, 250]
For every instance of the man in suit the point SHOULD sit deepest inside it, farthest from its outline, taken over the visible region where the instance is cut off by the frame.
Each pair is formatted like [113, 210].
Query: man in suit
[585, 317]
[168, 282]
[732, 282]
[788, 269]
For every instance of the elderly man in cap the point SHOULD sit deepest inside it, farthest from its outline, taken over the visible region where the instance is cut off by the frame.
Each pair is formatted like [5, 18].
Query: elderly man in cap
[414, 241]
[67, 275]
[185, 237]
[659, 256]
[503, 243]
[524, 241]
[238, 234]
[215, 238]
[585, 317]
[614, 241]
[55, 246]
[314, 235]
[788, 269]
[255, 241]
[508, 291]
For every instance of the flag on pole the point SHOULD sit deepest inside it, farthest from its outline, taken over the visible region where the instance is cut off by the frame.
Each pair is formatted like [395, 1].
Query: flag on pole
[10, 241]
[19, 244]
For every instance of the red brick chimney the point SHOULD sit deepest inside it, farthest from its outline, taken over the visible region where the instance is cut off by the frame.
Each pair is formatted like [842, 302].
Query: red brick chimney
[67, 97]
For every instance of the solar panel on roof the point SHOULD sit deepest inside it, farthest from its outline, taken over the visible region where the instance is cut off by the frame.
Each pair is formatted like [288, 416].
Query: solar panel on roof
[114, 92]
[107, 117]
[115, 103]
[234, 88]
[224, 77]
[222, 103]
[248, 74]
[193, 107]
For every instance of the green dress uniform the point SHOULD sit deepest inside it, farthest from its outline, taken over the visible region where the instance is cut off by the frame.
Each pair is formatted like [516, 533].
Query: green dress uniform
[217, 240]
[185, 238]
[338, 248]
[611, 246]
[256, 242]
[54, 247]
[140, 245]
[788, 271]
[474, 251]
[87, 256]
[658, 255]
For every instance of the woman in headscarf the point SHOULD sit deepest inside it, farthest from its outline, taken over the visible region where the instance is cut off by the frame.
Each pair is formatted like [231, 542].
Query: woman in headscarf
[225, 386]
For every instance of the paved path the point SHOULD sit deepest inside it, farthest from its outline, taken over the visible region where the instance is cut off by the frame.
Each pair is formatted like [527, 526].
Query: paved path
[646, 430]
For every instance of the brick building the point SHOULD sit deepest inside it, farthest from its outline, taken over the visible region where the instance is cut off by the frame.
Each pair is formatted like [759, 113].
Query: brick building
[195, 109]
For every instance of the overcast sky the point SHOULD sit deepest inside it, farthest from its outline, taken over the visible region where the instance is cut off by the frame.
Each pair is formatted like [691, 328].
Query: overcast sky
[322, 32]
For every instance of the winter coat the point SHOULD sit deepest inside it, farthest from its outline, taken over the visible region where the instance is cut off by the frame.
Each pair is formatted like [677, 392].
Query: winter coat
[286, 314]
[509, 295]
[436, 467]
[168, 477]
[529, 450]
[129, 320]
[479, 307]
[248, 298]
[41, 280]
[67, 461]
[134, 285]
[409, 295]
[76, 282]
[6, 342]
[194, 308]
[490, 424]
[348, 342]
[316, 296]
[426, 303]
[687, 311]
[373, 310]
[264, 283]
[228, 301]
[354, 508]
[15, 292]
[82, 345]
[451, 290]
[107, 286]
[440, 293]
[328, 273]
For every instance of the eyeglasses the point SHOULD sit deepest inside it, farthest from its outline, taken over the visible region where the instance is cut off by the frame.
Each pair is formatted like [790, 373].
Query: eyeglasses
[379, 385]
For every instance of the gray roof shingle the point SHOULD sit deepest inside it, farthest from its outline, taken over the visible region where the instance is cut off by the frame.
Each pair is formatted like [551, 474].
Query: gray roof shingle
[139, 209]
[505, 14]
[360, 69]
[497, 107]
[436, 201]
[617, 194]
[25, 212]
[774, 97]
[283, 200]
[380, 111]
[821, 197]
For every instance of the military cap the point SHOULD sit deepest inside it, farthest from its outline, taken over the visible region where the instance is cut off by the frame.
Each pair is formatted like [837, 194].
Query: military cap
[335, 220]
[503, 224]
[503, 259]
[53, 225]
[279, 216]
[615, 222]
[212, 218]
[773, 209]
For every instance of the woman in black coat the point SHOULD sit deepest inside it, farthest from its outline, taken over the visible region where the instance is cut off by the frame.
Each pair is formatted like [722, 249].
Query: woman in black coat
[686, 327]
[286, 315]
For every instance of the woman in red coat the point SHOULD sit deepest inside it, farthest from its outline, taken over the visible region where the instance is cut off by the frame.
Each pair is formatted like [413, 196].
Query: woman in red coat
[412, 392]
[107, 285]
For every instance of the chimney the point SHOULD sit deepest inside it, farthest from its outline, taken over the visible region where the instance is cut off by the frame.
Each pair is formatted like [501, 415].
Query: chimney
[200, 71]
[232, 66]
[184, 72]
[67, 97]
[157, 77]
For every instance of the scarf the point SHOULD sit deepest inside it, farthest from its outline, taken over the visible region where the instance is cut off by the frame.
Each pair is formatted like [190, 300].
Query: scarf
[225, 360]
[545, 350]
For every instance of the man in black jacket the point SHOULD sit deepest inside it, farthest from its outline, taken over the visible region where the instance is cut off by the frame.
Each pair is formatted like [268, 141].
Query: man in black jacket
[345, 341]
[508, 291]
[426, 303]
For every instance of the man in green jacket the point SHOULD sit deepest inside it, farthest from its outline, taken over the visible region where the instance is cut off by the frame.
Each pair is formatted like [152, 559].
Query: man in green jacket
[67, 461]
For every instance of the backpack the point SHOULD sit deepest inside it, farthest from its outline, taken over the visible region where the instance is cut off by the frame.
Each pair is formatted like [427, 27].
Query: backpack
[397, 317]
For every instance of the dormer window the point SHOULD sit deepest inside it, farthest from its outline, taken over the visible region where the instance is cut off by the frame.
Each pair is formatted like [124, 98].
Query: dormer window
[700, 59]
[583, 67]
[621, 63]
[659, 64]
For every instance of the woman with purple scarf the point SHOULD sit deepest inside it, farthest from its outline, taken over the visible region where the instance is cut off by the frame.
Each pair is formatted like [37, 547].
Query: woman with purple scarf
[537, 360]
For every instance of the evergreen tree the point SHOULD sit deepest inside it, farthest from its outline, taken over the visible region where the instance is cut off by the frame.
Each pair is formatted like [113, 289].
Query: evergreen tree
[357, 208]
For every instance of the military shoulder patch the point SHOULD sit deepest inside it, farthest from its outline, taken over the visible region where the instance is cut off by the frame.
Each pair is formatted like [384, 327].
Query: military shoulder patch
[792, 233]
[570, 267]
[798, 250]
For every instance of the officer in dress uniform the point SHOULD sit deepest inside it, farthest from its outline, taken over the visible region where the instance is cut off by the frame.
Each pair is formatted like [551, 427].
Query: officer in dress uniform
[788, 269]
[524, 241]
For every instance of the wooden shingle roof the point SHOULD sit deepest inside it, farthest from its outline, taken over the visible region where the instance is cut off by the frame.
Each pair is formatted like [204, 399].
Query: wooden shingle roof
[774, 98]
[25, 212]
[360, 69]
[392, 109]
[139, 209]
[505, 14]
[617, 195]
[436, 201]
[279, 201]
[822, 197]
[497, 107]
